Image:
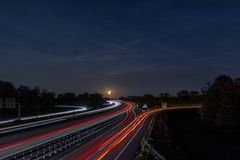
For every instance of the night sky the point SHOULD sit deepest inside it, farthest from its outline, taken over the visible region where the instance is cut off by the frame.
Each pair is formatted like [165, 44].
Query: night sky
[132, 47]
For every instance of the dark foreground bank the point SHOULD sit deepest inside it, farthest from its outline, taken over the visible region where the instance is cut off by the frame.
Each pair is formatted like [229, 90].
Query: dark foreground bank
[182, 135]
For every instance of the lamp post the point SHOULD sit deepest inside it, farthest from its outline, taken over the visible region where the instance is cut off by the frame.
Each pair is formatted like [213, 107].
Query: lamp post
[19, 111]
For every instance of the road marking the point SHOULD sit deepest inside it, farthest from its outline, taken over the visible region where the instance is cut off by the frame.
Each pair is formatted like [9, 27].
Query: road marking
[130, 141]
[116, 104]
[134, 110]
[97, 137]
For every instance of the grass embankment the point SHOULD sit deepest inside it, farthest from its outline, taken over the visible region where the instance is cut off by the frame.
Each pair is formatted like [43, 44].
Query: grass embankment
[182, 135]
[146, 151]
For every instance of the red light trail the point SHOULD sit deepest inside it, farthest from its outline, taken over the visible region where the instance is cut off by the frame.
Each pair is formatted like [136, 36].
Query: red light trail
[106, 143]
[109, 145]
[73, 125]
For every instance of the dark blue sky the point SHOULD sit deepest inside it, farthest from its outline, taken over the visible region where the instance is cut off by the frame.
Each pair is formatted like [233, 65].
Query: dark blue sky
[133, 47]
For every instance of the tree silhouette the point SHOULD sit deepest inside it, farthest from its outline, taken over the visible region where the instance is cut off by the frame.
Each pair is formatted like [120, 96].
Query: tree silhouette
[7, 90]
[183, 95]
[47, 99]
[221, 97]
[164, 96]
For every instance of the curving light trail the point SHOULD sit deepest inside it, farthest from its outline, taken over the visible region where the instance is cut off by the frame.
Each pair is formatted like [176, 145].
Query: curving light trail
[88, 150]
[112, 143]
[73, 125]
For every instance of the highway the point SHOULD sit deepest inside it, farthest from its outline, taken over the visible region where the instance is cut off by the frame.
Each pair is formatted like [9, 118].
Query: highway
[51, 118]
[121, 143]
[79, 109]
[12, 138]
[124, 145]
[112, 135]
[88, 150]
[88, 125]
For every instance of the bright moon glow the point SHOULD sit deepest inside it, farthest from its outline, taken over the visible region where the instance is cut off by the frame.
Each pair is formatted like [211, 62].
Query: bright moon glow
[109, 92]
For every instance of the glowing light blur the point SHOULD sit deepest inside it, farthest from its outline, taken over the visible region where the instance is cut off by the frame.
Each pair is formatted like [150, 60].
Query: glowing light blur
[109, 92]
[64, 128]
[109, 145]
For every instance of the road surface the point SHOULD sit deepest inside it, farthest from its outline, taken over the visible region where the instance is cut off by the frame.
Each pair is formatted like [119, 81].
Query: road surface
[110, 136]
[121, 144]
[14, 147]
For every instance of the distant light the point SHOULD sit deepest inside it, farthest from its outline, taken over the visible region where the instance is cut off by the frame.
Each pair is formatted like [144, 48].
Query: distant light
[109, 92]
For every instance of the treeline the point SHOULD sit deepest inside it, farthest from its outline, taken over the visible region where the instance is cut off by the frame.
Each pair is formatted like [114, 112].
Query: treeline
[183, 97]
[86, 99]
[221, 97]
[37, 97]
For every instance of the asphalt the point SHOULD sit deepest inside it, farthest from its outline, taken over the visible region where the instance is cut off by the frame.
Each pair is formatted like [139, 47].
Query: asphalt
[125, 150]
[128, 148]
[20, 135]
[86, 150]
[38, 141]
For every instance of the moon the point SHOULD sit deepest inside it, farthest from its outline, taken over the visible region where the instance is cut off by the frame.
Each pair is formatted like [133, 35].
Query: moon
[109, 92]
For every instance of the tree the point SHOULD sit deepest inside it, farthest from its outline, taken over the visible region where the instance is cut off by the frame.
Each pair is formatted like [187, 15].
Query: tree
[83, 98]
[96, 100]
[221, 97]
[194, 94]
[24, 95]
[7, 90]
[236, 97]
[183, 95]
[67, 99]
[149, 99]
[47, 99]
[164, 96]
[194, 97]
[237, 81]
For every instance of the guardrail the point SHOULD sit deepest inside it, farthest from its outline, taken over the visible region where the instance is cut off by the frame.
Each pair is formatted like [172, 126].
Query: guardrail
[44, 116]
[56, 146]
[58, 119]
[149, 146]
[80, 109]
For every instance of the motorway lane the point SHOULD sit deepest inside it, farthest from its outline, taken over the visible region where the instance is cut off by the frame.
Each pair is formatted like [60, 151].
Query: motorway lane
[43, 140]
[110, 105]
[122, 145]
[45, 137]
[20, 137]
[121, 136]
[86, 151]
[109, 145]
[128, 148]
